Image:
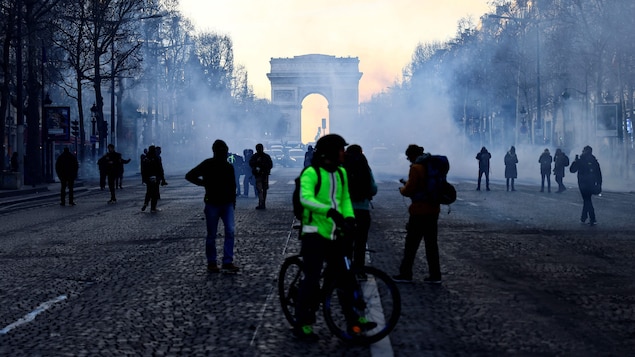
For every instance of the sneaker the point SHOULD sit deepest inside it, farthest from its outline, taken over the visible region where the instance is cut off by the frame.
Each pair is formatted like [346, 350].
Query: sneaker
[112, 201]
[305, 333]
[230, 268]
[592, 223]
[400, 278]
[155, 210]
[212, 268]
[430, 280]
[362, 325]
[260, 207]
[583, 221]
[72, 204]
[143, 208]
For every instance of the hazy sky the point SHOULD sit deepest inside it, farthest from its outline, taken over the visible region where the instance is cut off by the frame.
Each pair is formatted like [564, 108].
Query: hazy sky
[381, 33]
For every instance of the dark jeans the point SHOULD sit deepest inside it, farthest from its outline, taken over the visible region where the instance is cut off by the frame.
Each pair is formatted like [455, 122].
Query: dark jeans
[214, 214]
[262, 184]
[480, 175]
[546, 176]
[65, 184]
[362, 219]
[426, 227]
[587, 206]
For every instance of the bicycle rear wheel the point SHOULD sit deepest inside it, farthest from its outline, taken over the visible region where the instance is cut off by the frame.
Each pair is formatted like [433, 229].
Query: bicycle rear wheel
[289, 277]
[380, 303]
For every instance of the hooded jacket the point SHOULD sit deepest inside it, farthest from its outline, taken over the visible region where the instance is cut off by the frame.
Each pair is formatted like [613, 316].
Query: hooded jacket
[333, 193]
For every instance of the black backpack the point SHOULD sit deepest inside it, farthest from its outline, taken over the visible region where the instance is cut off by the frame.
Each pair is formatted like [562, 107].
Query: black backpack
[437, 189]
[359, 179]
[298, 209]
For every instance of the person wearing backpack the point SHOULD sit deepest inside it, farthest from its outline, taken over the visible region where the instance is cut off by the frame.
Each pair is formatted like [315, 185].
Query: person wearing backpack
[422, 222]
[560, 161]
[362, 188]
[328, 221]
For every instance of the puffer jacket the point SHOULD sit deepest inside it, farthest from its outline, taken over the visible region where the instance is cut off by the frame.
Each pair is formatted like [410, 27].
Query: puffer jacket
[333, 193]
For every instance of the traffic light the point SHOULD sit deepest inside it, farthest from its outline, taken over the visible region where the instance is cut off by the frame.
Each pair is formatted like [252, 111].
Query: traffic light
[75, 127]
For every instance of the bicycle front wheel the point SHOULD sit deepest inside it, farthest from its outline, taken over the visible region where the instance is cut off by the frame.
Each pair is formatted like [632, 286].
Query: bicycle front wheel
[289, 277]
[376, 300]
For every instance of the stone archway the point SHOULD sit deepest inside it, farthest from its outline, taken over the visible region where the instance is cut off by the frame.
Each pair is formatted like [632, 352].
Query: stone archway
[335, 78]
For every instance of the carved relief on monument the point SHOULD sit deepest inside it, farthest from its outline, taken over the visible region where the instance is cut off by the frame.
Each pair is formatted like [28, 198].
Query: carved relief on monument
[283, 95]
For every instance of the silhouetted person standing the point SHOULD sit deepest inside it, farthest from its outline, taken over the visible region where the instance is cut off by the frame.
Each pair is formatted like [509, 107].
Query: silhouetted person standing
[152, 176]
[483, 158]
[66, 168]
[589, 181]
[261, 165]
[560, 161]
[248, 178]
[308, 156]
[545, 160]
[217, 176]
[511, 171]
[112, 164]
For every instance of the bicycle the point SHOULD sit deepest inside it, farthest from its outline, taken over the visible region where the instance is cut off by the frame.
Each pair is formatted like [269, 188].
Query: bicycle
[375, 298]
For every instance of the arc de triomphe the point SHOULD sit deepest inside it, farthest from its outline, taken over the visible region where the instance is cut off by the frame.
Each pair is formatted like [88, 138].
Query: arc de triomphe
[335, 78]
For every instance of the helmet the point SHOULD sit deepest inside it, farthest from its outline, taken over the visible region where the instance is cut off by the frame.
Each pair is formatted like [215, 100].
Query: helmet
[329, 146]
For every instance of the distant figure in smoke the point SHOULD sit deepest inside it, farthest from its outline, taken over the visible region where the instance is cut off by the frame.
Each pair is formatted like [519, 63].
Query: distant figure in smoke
[560, 161]
[511, 171]
[308, 156]
[119, 180]
[66, 168]
[15, 164]
[589, 181]
[261, 165]
[152, 176]
[111, 162]
[248, 178]
[238, 163]
[483, 158]
[545, 160]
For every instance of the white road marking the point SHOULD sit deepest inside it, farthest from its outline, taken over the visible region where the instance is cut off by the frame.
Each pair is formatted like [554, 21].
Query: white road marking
[31, 315]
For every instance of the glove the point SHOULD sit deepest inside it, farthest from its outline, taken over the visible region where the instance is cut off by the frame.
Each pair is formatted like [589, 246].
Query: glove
[164, 183]
[337, 217]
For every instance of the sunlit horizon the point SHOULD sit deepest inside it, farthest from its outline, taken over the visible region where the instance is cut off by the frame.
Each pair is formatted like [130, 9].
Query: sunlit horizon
[382, 34]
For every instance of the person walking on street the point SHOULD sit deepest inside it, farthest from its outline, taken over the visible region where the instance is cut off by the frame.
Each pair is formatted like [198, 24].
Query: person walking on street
[66, 168]
[152, 176]
[217, 176]
[560, 161]
[511, 171]
[589, 181]
[362, 188]
[422, 223]
[545, 160]
[112, 164]
[483, 158]
[261, 165]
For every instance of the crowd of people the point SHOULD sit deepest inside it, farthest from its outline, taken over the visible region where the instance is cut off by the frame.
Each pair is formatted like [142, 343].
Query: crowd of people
[336, 189]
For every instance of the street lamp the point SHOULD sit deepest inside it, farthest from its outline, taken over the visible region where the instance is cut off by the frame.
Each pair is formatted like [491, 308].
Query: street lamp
[538, 99]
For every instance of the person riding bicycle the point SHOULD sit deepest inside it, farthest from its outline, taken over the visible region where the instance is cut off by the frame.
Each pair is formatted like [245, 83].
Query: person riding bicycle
[327, 220]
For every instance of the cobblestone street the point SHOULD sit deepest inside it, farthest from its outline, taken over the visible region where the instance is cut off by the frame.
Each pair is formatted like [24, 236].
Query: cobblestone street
[521, 276]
